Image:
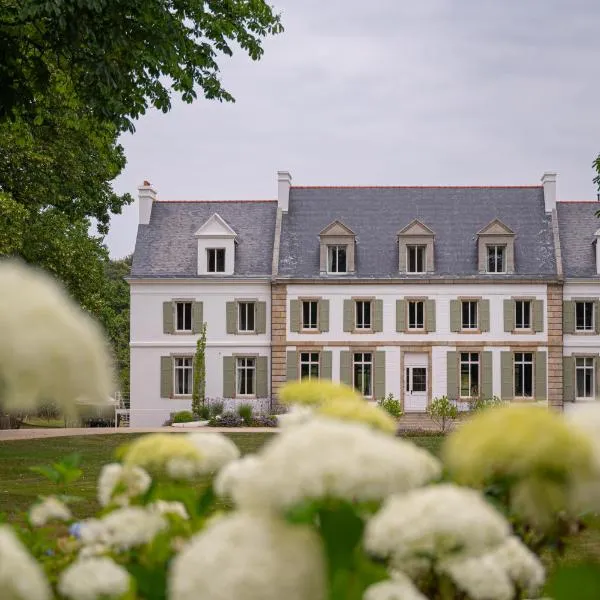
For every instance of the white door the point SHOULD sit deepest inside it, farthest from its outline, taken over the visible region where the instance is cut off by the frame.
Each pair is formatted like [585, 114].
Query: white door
[415, 383]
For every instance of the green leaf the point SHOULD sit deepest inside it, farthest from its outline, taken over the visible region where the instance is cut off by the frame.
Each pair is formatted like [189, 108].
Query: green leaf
[48, 472]
[575, 582]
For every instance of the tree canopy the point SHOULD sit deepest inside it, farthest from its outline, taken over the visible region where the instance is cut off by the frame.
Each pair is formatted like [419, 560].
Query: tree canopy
[122, 56]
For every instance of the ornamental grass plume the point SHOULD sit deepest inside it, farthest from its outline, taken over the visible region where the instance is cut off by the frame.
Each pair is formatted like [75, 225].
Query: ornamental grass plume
[362, 412]
[316, 392]
[21, 578]
[49, 348]
[327, 458]
[246, 556]
[94, 579]
[49, 509]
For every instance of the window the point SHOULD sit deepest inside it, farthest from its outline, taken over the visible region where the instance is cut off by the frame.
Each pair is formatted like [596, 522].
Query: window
[495, 259]
[415, 259]
[522, 314]
[309, 365]
[584, 377]
[523, 374]
[337, 259]
[469, 374]
[416, 314]
[363, 370]
[310, 314]
[246, 376]
[246, 316]
[216, 260]
[183, 316]
[584, 316]
[363, 314]
[469, 314]
[183, 376]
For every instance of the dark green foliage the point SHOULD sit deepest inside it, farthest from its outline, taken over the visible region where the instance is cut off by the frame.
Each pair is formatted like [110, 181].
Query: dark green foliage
[199, 390]
[245, 411]
[183, 416]
[227, 419]
[391, 405]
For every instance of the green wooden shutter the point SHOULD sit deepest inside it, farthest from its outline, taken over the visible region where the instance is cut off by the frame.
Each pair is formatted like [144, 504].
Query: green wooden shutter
[168, 326]
[166, 376]
[197, 317]
[231, 315]
[509, 315]
[569, 379]
[400, 315]
[377, 315]
[260, 324]
[348, 315]
[455, 315]
[506, 376]
[228, 377]
[323, 315]
[346, 367]
[568, 316]
[379, 374]
[452, 390]
[295, 315]
[486, 375]
[430, 315]
[540, 376]
[325, 365]
[262, 377]
[537, 308]
[484, 315]
[597, 316]
[292, 365]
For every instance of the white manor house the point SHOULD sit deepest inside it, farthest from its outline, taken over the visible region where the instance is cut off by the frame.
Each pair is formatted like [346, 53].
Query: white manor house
[415, 291]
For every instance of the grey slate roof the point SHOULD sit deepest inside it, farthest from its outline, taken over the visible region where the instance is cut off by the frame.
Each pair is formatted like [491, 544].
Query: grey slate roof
[454, 214]
[167, 247]
[577, 224]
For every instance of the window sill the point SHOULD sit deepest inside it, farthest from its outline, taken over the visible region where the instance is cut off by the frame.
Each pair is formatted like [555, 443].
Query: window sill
[246, 333]
[524, 331]
[182, 332]
[415, 330]
[586, 400]
[582, 332]
[524, 399]
[181, 396]
[362, 331]
[246, 397]
[470, 331]
[304, 331]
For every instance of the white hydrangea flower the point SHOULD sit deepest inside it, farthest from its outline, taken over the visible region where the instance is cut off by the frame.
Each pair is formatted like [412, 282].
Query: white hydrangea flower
[400, 587]
[435, 521]
[93, 550]
[215, 449]
[162, 507]
[521, 565]
[94, 579]
[123, 528]
[49, 509]
[330, 458]
[21, 578]
[182, 468]
[298, 414]
[118, 484]
[231, 475]
[482, 578]
[250, 557]
[50, 348]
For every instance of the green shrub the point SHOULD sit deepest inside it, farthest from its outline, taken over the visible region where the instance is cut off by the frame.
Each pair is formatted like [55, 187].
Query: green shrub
[183, 416]
[204, 412]
[391, 405]
[442, 412]
[245, 411]
[215, 408]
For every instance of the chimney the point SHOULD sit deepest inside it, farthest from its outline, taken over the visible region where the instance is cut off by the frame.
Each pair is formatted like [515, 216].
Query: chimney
[549, 183]
[284, 182]
[146, 196]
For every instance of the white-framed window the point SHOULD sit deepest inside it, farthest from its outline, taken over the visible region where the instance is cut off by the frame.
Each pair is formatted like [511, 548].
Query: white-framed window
[416, 314]
[496, 259]
[522, 314]
[584, 378]
[469, 374]
[584, 316]
[469, 314]
[215, 260]
[309, 365]
[337, 259]
[183, 373]
[363, 373]
[246, 312]
[246, 376]
[415, 259]
[310, 314]
[183, 316]
[523, 371]
[362, 310]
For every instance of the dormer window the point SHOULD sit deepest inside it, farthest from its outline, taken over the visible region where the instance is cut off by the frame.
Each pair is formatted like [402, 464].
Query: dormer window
[215, 258]
[415, 257]
[415, 248]
[337, 244]
[216, 247]
[496, 247]
[496, 258]
[337, 262]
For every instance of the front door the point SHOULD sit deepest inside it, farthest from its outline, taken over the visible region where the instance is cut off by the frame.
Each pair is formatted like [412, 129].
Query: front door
[415, 388]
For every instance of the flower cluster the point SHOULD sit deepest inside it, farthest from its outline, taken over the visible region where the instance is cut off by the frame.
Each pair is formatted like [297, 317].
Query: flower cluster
[118, 484]
[49, 509]
[94, 579]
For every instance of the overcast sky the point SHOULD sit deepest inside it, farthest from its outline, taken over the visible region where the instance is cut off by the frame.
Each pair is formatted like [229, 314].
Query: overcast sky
[387, 92]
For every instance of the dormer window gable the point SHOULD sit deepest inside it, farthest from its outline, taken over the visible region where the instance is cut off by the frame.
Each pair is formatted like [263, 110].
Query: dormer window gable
[216, 247]
[416, 248]
[496, 248]
[337, 249]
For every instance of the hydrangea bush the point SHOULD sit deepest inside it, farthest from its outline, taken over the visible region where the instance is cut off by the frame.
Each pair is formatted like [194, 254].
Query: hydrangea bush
[334, 507]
